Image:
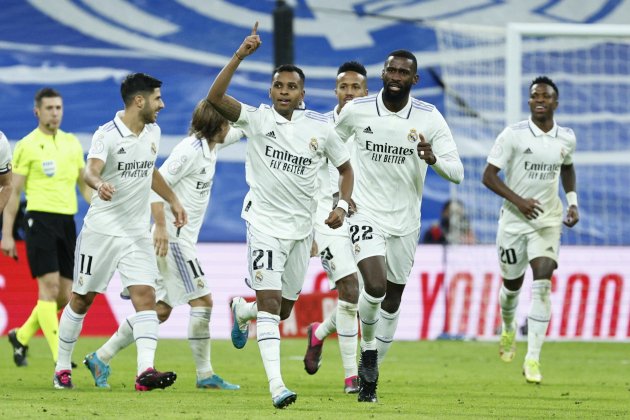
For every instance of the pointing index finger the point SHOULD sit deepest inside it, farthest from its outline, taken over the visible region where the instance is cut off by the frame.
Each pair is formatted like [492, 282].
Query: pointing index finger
[255, 28]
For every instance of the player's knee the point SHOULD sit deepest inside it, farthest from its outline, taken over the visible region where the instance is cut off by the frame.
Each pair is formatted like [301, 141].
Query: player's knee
[348, 289]
[81, 303]
[163, 311]
[203, 301]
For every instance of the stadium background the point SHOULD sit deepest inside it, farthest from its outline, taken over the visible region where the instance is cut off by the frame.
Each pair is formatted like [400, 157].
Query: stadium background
[85, 47]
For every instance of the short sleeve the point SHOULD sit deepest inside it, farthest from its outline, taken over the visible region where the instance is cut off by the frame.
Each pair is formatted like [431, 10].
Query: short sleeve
[233, 136]
[5, 154]
[249, 120]
[501, 150]
[179, 163]
[21, 161]
[344, 126]
[335, 150]
[99, 149]
[78, 153]
[568, 157]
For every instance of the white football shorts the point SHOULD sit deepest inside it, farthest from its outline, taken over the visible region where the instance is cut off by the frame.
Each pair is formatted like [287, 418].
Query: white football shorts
[515, 251]
[180, 278]
[97, 256]
[368, 240]
[277, 264]
[335, 253]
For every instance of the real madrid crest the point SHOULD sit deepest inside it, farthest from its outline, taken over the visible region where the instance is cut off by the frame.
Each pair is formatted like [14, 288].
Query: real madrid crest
[200, 284]
[413, 135]
[259, 276]
[80, 280]
[357, 248]
[313, 145]
[153, 148]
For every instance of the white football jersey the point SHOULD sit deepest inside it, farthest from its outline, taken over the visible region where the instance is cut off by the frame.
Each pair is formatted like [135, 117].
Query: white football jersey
[531, 161]
[5, 154]
[189, 170]
[328, 177]
[281, 166]
[129, 164]
[390, 176]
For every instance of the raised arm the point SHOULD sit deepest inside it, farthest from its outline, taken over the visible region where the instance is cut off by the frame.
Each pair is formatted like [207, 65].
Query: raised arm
[227, 106]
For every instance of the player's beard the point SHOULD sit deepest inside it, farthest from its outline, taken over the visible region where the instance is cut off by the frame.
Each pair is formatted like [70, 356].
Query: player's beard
[401, 95]
[148, 115]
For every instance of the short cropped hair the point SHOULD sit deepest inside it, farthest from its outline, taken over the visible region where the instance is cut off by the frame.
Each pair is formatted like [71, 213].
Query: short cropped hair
[354, 66]
[46, 92]
[547, 81]
[137, 83]
[206, 121]
[405, 54]
[290, 68]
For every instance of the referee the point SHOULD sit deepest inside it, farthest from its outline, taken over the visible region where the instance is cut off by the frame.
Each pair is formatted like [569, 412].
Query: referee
[47, 165]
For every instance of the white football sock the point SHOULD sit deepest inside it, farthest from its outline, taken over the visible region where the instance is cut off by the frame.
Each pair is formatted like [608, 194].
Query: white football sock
[538, 318]
[268, 335]
[385, 330]
[369, 308]
[328, 326]
[247, 311]
[347, 331]
[145, 333]
[122, 338]
[199, 340]
[69, 330]
[508, 300]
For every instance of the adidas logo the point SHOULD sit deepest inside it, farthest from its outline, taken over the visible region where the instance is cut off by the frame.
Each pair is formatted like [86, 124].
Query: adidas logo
[271, 134]
[203, 171]
[528, 151]
[368, 130]
[122, 151]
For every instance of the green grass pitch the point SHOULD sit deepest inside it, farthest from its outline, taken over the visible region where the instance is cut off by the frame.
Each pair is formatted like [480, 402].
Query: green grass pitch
[441, 379]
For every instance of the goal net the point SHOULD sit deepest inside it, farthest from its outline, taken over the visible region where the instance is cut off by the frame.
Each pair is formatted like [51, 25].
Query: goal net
[486, 74]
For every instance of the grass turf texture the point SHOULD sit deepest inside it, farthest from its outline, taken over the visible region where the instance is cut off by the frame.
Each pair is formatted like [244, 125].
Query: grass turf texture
[443, 379]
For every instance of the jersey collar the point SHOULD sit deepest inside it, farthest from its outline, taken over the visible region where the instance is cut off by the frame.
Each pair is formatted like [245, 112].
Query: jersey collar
[297, 114]
[537, 132]
[123, 129]
[382, 110]
[207, 153]
[335, 113]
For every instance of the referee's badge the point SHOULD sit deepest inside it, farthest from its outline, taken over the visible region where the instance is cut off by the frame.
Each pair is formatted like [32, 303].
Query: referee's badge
[313, 145]
[153, 148]
[49, 167]
[413, 135]
[259, 276]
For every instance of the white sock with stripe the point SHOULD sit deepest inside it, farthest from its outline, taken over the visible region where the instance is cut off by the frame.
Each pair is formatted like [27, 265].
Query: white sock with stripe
[199, 340]
[268, 335]
[145, 326]
[69, 330]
